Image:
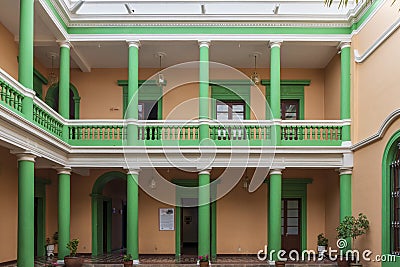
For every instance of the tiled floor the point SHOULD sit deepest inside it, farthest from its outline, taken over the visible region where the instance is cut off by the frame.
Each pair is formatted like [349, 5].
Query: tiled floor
[115, 260]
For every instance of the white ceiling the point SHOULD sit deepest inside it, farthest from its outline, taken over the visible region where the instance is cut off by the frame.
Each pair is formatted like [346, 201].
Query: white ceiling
[113, 54]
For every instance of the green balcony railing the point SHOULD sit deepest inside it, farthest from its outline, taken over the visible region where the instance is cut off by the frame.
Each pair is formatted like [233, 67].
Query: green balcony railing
[47, 119]
[95, 133]
[10, 97]
[170, 132]
[314, 133]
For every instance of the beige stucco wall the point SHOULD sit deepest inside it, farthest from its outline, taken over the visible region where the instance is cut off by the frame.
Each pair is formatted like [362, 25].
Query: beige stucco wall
[8, 205]
[332, 89]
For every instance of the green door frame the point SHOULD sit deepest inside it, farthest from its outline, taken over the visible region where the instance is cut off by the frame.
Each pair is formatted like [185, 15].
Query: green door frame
[388, 156]
[52, 93]
[297, 188]
[40, 193]
[178, 219]
[97, 212]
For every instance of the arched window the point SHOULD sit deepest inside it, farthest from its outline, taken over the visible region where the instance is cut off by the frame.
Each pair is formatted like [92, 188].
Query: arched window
[395, 202]
[74, 100]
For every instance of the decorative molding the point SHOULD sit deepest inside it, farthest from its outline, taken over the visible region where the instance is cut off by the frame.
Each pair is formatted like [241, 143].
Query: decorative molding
[380, 133]
[344, 44]
[133, 171]
[64, 170]
[393, 28]
[275, 43]
[135, 43]
[24, 156]
[204, 43]
[206, 172]
[65, 43]
[277, 171]
[345, 171]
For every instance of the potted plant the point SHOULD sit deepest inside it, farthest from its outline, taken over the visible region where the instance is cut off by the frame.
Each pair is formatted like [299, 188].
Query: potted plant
[322, 243]
[203, 261]
[127, 259]
[72, 260]
[352, 227]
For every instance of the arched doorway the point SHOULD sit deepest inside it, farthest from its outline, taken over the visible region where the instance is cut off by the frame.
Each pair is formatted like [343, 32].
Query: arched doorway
[109, 212]
[74, 100]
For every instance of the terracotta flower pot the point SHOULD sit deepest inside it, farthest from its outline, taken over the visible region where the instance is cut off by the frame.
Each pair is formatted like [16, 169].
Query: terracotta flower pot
[280, 264]
[73, 261]
[204, 264]
[128, 263]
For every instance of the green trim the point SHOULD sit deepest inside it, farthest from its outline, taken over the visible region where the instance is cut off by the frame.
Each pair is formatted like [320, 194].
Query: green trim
[132, 216]
[64, 213]
[40, 193]
[297, 188]
[290, 89]
[388, 156]
[148, 90]
[208, 30]
[275, 214]
[38, 81]
[178, 219]
[53, 91]
[55, 13]
[97, 211]
[230, 91]
[345, 90]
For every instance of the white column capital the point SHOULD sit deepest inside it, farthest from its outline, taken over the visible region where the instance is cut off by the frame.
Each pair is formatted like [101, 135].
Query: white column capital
[24, 155]
[344, 44]
[343, 171]
[276, 171]
[204, 43]
[275, 43]
[202, 171]
[64, 170]
[133, 171]
[135, 43]
[65, 43]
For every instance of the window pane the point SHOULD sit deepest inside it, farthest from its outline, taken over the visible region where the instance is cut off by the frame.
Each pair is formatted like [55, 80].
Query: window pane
[293, 230]
[292, 204]
[237, 116]
[222, 116]
[238, 107]
[293, 221]
[293, 213]
[222, 107]
[291, 108]
[290, 116]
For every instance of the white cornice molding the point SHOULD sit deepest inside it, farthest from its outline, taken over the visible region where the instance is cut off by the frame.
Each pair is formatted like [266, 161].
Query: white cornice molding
[380, 133]
[361, 58]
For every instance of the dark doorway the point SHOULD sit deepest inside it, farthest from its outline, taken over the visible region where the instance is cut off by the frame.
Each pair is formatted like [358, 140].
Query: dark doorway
[291, 224]
[189, 232]
[105, 226]
[289, 109]
[71, 104]
[124, 224]
[148, 110]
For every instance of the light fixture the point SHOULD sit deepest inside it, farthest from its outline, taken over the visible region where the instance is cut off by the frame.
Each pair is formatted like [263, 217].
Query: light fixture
[276, 9]
[152, 183]
[160, 77]
[203, 9]
[246, 181]
[52, 76]
[255, 77]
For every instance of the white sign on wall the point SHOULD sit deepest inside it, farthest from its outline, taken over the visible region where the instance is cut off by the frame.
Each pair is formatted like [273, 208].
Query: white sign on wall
[167, 219]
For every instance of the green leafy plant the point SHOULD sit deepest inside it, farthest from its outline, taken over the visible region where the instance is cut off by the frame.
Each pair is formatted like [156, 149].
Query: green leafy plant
[352, 227]
[322, 240]
[203, 258]
[55, 237]
[73, 247]
[127, 257]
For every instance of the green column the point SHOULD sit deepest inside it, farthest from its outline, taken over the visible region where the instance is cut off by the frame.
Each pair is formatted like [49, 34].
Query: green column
[204, 214]
[25, 58]
[63, 85]
[345, 196]
[133, 92]
[96, 225]
[276, 86]
[345, 86]
[133, 214]
[204, 98]
[275, 211]
[64, 200]
[26, 191]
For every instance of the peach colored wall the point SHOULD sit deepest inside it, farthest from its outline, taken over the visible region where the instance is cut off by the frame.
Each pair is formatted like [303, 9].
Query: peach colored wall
[99, 92]
[332, 89]
[8, 52]
[249, 225]
[367, 180]
[376, 88]
[8, 205]
[383, 19]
